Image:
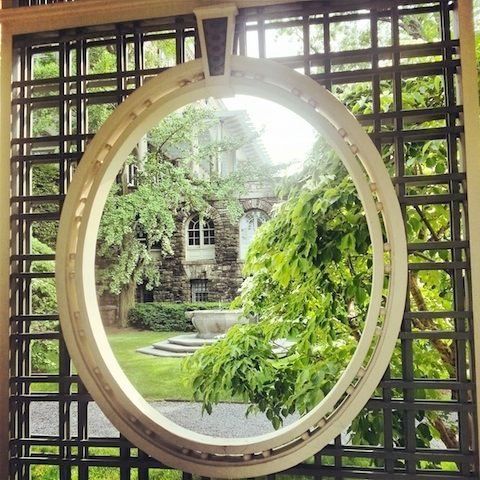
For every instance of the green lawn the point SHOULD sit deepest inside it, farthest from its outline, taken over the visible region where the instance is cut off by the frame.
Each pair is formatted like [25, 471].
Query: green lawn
[51, 472]
[156, 378]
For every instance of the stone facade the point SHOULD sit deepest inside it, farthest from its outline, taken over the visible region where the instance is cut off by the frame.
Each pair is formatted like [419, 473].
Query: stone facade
[223, 273]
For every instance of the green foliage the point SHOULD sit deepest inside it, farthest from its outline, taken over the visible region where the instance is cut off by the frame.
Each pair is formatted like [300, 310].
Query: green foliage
[46, 65]
[429, 290]
[45, 181]
[166, 316]
[44, 301]
[160, 53]
[44, 471]
[225, 366]
[308, 278]
[44, 353]
[102, 59]
[98, 115]
[44, 297]
[167, 190]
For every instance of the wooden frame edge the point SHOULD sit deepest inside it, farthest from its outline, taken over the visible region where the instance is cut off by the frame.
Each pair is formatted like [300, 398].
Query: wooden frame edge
[35, 19]
[5, 128]
[60, 16]
[75, 275]
[471, 120]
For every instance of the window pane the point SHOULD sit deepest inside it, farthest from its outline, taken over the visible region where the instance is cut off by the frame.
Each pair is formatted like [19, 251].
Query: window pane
[248, 225]
[199, 290]
[194, 231]
[208, 233]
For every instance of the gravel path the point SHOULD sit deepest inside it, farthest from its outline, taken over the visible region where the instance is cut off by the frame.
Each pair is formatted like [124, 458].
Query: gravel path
[226, 420]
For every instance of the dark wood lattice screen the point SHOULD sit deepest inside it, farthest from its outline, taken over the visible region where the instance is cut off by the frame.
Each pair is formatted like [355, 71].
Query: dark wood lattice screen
[382, 65]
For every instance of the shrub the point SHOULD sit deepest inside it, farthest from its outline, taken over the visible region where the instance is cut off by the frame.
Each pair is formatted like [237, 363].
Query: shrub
[44, 353]
[166, 316]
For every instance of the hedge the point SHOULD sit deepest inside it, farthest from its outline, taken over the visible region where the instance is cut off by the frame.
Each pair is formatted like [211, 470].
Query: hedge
[166, 316]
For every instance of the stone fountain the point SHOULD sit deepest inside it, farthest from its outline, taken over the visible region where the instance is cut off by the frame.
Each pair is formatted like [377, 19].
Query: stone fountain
[211, 325]
[214, 323]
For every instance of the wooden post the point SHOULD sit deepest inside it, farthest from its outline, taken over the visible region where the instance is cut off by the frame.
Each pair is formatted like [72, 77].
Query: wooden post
[471, 150]
[5, 110]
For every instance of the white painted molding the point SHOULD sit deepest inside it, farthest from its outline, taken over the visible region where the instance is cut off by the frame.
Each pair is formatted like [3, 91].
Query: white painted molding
[75, 272]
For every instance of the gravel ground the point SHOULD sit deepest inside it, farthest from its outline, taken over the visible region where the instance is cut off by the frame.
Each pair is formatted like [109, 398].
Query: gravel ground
[226, 420]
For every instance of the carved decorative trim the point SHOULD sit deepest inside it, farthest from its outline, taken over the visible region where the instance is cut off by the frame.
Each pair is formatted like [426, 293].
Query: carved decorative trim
[75, 272]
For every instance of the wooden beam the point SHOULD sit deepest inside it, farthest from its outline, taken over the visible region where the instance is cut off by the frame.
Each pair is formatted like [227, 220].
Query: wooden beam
[5, 128]
[471, 147]
[59, 16]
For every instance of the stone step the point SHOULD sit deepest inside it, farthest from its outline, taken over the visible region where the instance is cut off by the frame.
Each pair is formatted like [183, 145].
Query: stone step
[172, 347]
[161, 353]
[183, 345]
[191, 340]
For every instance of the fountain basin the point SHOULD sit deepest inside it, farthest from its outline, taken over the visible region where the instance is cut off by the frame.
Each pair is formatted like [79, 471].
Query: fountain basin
[211, 323]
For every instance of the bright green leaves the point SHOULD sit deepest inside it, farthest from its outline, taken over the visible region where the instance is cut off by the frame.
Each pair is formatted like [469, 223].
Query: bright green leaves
[347, 244]
[308, 279]
[169, 186]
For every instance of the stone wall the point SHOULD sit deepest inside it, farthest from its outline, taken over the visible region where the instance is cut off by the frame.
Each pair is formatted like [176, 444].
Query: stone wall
[223, 273]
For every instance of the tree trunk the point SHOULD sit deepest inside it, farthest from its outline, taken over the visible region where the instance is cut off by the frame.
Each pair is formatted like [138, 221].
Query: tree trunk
[447, 434]
[446, 351]
[125, 302]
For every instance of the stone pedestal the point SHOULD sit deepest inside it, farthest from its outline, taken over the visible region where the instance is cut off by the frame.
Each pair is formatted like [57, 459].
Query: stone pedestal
[212, 323]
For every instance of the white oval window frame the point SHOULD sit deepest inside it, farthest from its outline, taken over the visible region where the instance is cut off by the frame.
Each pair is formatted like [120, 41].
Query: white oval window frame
[79, 313]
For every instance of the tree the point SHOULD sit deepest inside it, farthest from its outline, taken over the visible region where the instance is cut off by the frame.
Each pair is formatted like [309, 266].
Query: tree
[167, 189]
[135, 219]
[283, 263]
[44, 302]
[307, 278]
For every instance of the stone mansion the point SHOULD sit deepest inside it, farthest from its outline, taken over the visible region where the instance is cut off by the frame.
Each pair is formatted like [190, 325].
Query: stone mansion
[208, 254]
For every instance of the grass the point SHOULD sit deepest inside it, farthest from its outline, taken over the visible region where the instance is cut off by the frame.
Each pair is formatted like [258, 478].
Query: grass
[52, 472]
[156, 378]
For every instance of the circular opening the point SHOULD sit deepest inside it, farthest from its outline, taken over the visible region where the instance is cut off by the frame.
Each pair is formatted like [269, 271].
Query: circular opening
[79, 310]
[234, 267]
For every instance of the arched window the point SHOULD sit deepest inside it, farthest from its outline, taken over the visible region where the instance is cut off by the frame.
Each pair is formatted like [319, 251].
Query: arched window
[200, 239]
[249, 223]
